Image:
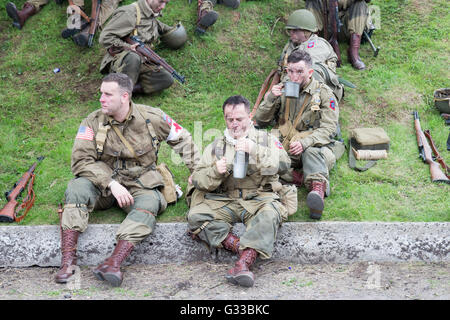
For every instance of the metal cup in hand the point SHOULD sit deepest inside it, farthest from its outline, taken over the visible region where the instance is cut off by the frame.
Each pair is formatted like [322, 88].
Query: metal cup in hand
[240, 165]
[291, 89]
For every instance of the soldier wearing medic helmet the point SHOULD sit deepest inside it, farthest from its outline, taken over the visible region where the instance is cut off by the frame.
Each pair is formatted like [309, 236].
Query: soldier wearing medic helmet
[114, 160]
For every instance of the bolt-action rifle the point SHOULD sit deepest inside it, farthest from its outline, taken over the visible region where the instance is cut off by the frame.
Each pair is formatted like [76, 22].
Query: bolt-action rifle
[425, 153]
[9, 213]
[151, 56]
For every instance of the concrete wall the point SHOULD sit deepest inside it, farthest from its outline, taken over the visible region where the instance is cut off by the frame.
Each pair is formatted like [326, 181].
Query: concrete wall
[308, 243]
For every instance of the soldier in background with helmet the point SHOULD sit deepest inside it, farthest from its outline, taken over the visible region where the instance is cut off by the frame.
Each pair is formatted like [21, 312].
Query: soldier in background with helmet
[141, 19]
[114, 160]
[355, 17]
[206, 16]
[302, 26]
[221, 198]
[308, 126]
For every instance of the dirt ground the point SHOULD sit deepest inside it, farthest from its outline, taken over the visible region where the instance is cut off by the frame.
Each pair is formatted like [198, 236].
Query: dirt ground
[275, 280]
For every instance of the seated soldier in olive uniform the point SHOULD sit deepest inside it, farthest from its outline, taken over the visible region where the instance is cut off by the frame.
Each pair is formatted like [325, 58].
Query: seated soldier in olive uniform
[220, 199]
[308, 126]
[206, 16]
[138, 18]
[78, 27]
[355, 17]
[114, 160]
[302, 26]
[29, 9]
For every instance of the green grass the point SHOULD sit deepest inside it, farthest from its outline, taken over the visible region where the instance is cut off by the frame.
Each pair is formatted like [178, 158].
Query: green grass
[41, 111]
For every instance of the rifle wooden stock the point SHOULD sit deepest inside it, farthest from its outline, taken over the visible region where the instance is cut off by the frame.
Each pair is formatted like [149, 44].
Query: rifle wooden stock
[82, 13]
[151, 56]
[9, 211]
[95, 12]
[425, 153]
[275, 77]
[436, 153]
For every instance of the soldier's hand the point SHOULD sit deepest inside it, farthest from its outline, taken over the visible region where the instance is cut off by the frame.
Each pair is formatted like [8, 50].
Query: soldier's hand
[123, 197]
[221, 165]
[245, 145]
[277, 89]
[133, 47]
[295, 148]
[190, 179]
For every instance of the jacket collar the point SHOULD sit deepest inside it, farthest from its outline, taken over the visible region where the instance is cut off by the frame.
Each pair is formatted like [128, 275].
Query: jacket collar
[146, 10]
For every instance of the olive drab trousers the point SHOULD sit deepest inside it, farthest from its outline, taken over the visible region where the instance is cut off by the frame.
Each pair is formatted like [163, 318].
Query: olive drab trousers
[261, 225]
[317, 162]
[152, 78]
[354, 15]
[82, 197]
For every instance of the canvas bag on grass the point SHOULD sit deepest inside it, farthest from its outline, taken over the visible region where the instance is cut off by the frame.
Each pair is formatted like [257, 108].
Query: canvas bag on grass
[369, 144]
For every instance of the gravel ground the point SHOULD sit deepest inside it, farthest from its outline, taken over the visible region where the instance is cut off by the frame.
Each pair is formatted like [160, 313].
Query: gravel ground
[275, 280]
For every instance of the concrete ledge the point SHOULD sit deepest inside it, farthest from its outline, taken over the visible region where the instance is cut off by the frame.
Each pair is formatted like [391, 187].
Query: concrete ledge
[308, 243]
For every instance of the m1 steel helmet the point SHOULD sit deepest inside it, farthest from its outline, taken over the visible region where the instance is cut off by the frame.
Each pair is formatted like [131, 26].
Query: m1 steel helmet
[176, 37]
[302, 19]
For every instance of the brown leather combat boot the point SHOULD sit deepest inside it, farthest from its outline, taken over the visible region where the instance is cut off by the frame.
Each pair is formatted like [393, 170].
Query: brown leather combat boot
[81, 39]
[231, 243]
[109, 270]
[206, 16]
[69, 240]
[19, 17]
[353, 52]
[315, 197]
[241, 274]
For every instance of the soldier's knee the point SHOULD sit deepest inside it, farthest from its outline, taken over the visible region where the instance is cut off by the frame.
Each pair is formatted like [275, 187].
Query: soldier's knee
[132, 61]
[81, 191]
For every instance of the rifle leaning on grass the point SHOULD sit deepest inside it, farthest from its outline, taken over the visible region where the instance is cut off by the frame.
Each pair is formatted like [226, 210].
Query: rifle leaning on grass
[9, 211]
[95, 14]
[149, 55]
[436, 153]
[425, 153]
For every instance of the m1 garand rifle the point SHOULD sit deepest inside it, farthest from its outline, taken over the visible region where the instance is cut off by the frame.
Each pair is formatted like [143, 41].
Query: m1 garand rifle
[95, 14]
[9, 213]
[150, 56]
[333, 24]
[425, 153]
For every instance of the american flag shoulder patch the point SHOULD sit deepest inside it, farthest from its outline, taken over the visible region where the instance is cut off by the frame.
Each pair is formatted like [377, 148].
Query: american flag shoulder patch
[85, 133]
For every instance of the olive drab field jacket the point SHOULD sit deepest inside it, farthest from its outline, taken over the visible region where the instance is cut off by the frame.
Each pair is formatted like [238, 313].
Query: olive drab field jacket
[316, 126]
[100, 155]
[124, 22]
[216, 189]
